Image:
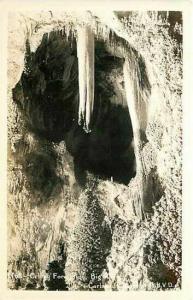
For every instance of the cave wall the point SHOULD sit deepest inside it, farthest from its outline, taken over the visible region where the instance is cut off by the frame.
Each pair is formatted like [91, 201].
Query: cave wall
[35, 203]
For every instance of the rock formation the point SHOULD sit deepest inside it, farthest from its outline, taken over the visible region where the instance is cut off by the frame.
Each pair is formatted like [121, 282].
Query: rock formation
[94, 150]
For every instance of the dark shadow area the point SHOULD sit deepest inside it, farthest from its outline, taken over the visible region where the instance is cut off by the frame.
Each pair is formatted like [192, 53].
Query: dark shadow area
[158, 272]
[163, 276]
[47, 95]
[40, 170]
[55, 279]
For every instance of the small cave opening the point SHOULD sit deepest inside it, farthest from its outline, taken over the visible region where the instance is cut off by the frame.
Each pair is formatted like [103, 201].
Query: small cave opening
[48, 98]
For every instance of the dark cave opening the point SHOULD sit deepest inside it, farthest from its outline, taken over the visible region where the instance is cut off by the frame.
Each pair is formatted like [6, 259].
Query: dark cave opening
[48, 97]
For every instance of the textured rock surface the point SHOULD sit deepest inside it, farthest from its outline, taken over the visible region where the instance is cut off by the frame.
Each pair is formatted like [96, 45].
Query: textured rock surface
[50, 181]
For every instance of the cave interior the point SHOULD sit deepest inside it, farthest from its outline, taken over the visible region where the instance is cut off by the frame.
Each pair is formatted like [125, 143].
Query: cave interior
[47, 96]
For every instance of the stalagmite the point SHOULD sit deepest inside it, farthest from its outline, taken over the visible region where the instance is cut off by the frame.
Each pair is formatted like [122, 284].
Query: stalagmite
[85, 50]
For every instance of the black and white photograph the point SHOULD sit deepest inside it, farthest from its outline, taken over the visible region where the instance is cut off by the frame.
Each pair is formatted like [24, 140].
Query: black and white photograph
[94, 150]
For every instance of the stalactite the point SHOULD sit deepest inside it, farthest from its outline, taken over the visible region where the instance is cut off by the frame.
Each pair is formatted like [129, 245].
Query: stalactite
[131, 99]
[132, 95]
[85, 50]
